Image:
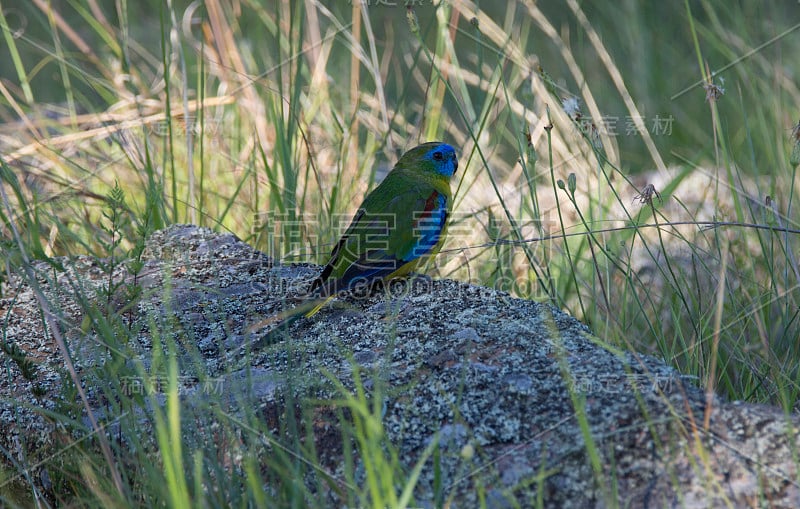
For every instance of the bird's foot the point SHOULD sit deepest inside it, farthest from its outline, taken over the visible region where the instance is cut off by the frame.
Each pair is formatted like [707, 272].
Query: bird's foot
[412, 282]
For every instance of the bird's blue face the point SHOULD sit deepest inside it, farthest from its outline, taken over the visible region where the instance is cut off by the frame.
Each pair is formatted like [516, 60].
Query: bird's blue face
[443, 157]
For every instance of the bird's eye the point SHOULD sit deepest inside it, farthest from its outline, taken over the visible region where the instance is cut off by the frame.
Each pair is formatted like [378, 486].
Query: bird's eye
[438, 156]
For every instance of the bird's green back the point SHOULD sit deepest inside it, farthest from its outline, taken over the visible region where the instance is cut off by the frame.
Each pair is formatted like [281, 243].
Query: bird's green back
[401, 222]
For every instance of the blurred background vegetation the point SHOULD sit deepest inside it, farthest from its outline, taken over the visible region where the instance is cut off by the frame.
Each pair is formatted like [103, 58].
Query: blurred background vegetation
[272, 119]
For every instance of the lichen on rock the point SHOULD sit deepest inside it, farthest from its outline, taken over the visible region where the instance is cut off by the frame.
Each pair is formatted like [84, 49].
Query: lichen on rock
[502, 385]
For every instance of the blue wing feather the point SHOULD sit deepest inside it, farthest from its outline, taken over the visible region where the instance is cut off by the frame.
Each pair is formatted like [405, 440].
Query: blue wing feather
[428, 226]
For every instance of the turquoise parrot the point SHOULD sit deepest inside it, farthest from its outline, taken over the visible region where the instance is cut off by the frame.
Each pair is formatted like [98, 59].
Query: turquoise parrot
[400, 224]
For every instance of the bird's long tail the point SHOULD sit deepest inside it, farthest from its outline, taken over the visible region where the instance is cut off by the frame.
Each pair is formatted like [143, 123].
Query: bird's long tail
[286, 317]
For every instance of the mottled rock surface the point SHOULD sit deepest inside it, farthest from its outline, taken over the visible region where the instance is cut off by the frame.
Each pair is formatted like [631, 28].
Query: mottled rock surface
[504, 384]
